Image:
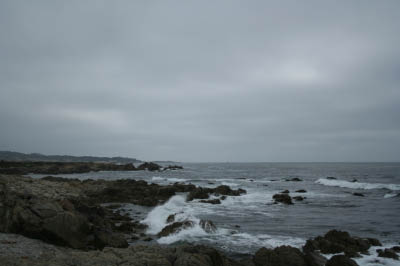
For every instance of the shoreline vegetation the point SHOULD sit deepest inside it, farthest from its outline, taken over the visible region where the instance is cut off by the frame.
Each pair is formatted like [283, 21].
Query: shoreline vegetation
[60, 221]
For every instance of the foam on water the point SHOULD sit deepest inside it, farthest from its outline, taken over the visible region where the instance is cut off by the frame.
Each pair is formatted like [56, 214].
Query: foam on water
[356, 185]
[230, 184]
[157, 218]
[391, 195]
[165, 179]
[372, 259]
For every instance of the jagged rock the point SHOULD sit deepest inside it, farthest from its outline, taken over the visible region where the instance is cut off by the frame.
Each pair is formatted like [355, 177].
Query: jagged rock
[374, 242]
[280, 256]
[149, 166]
[283, 198]
[341, 260]
[335, 242]
[175, 228]
[198, 193]
[387, 253]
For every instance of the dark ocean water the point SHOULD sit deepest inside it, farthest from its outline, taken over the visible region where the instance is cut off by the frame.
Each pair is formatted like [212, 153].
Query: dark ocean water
[248, 222]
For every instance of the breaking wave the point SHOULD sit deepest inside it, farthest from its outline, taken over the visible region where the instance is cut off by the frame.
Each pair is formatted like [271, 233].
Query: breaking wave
[356, 185]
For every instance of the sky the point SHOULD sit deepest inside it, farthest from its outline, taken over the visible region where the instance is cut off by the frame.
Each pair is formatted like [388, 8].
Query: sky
[202, 81]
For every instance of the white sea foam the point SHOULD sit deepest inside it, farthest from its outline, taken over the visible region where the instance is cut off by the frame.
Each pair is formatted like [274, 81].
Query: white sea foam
[356, 185]
[157, 218]
[374, 260]
[231, 184]
[391, 195]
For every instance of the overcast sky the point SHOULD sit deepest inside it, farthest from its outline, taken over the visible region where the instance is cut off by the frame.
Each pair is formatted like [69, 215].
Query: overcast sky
[202, 80]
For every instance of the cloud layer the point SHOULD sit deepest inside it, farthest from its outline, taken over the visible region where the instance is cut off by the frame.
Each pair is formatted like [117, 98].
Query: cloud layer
[202, 80]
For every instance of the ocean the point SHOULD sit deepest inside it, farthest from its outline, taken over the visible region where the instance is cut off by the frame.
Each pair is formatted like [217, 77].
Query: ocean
[246, 223]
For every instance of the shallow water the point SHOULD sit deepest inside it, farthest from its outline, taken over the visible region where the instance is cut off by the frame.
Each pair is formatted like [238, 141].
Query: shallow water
[250, 221]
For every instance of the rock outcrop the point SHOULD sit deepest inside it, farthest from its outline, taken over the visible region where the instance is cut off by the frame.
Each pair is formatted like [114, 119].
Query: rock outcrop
[282, 198]
[52, 168]
[280, 256]
[338, 241]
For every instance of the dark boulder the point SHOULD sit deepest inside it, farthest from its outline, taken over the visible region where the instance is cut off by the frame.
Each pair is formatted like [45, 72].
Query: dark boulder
[198, 193]
[280, 256]
[387, 253]
[285, 191]
[341, 260]
[149, 166]
[283, 198]
[396, 249]
[358, 194]
[337, 241]
[374, 242]
[314, 258]
[301, 191]
[331, 178]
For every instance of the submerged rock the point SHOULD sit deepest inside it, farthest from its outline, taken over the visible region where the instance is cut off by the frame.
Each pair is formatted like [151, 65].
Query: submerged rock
[358, 194]
[301, 191]
[283, 198]
[299, 198]
[294, 179]
[171, 218]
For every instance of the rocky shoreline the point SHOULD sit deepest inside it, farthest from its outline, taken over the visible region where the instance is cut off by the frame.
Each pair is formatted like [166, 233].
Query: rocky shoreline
[77, 221]
[54, 168]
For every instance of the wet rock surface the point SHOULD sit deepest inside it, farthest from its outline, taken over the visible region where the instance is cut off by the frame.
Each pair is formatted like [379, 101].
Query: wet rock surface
[388, 253]
[280, 256]
[283, 198]
[338, 241]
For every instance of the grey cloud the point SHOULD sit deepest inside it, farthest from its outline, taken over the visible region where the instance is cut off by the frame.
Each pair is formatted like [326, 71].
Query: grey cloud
[202, 81]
